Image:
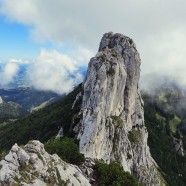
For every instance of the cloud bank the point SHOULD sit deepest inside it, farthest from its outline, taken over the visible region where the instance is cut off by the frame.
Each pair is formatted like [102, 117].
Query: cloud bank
[49, 71]
[158, 28]
[8, 71]
[54, 72]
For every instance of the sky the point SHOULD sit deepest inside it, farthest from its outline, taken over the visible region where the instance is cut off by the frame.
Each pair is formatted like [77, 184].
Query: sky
[56, 38]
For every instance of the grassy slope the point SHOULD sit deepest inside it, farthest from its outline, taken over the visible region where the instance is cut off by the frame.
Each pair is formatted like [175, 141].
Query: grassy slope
[41, 125]
[161, 145]
[11, 110]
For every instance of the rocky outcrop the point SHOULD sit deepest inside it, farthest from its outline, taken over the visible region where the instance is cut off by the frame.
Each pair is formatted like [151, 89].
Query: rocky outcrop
[60, 133]
[112, 126]
[178, 145]
[31, 165]
[87, 167]
[1, 100]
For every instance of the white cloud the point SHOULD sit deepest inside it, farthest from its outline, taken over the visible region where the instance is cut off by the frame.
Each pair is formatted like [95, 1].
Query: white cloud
[54, 71]
[15, 61]
[169, 54]
[50, 70]
[8, 72]
[82, 55]
[157, 27]
[85, 21]
[19, 61]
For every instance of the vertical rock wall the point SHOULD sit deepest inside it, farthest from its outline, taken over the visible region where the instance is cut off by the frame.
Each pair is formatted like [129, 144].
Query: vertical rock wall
[112, 126]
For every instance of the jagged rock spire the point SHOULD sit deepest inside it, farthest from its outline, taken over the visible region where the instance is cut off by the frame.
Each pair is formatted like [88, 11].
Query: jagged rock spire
[112, 126]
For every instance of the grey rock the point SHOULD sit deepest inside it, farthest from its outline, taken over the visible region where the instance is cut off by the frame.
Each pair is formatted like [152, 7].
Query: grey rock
[112, 127]
[178, 145]
[1, 100]
[60, 133]
[87, 169]
[77, 99]
[38, 168]
[23, 157]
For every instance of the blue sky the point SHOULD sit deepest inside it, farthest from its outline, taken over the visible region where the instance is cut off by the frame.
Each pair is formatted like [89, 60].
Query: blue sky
[15, 41]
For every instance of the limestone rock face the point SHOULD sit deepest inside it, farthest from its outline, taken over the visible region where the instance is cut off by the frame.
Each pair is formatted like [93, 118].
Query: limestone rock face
[60, 133]
[33, 166]
[178, 145]
[1, 100]
[112, 126]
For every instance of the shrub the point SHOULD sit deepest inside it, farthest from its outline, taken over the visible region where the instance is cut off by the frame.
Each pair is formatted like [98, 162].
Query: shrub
[66, 149]
[3, 154]
[117, 121]
[135, 136]
[174, 123]
[113, 175]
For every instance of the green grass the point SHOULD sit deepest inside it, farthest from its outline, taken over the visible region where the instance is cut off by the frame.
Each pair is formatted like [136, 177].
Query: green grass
[174, 123]
[160, 118]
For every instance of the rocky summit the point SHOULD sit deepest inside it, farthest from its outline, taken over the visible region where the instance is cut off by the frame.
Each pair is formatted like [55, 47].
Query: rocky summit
[112, 126]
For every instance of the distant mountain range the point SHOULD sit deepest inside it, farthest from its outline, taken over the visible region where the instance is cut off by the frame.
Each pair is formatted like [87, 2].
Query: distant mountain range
[28, 98]
[11, 110]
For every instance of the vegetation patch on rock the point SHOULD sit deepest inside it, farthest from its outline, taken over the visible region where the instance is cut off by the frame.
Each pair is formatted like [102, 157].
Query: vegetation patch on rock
[135, 136]
[66, 149]
[174, 123]
[117, 121]
[113, 175]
